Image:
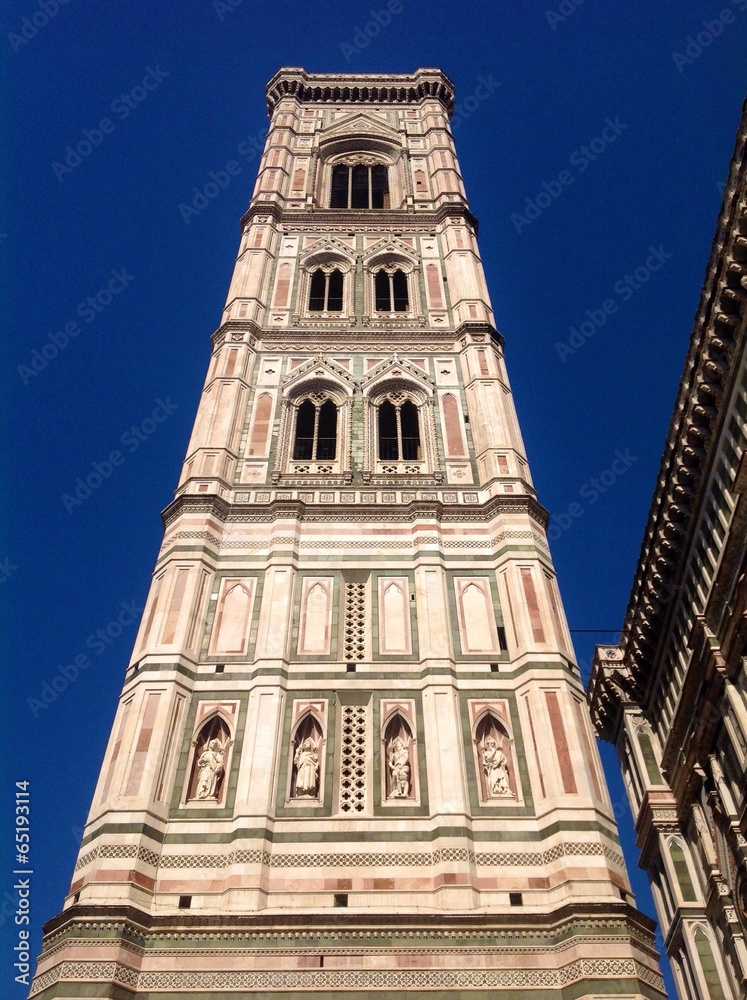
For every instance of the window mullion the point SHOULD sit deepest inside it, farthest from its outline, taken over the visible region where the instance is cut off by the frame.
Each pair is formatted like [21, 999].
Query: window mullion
[398, 414]
[370, 183]
[326, 296]
[391, 297]
[316, 433]
[350, 187]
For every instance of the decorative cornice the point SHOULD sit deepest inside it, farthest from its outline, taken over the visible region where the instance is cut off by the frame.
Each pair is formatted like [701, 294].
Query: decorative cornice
[345, 219]
[212, 505]
[360, 88]
[132, 922]
[716, 344]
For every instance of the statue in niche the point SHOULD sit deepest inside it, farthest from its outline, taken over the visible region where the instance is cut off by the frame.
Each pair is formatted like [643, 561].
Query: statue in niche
[306, 761]
[495, 766]
[210, 768]
[398, 761]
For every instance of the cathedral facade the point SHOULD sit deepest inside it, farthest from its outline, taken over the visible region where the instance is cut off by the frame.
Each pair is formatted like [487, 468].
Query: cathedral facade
[352, 751]
[672, 696]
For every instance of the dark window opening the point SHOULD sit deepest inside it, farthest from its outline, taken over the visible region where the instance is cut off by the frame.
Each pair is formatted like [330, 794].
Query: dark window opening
[379, 187]
[339, 197]
[359, 186]
[388, 446]
[316, 432]
[381, 287]
[502, 637]
[334, 292]
[494, 668]
[326, 439]
[399, 432]
[399, 291]
[219, 668]
[318, 289]
[350, 668]
[410, 431]
[305, 420]
[515, 899]
[185, 902]
[391, 291]
[341, 899]
[325, 293]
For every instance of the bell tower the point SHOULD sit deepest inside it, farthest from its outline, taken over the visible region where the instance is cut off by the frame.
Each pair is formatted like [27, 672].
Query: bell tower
[352, 751]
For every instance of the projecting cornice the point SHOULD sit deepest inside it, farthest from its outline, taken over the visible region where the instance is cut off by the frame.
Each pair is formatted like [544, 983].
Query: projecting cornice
[362, 220]
[360, 88]
[211, 505]
[693, 436]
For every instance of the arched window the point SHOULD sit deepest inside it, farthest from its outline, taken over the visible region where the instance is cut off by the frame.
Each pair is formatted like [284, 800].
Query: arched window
[399, 432]
[359, 186]
[325, 293]
[306, 768]
[684, 881]
[316, 431]
[391, 291]
[207, 777]
[709, 964]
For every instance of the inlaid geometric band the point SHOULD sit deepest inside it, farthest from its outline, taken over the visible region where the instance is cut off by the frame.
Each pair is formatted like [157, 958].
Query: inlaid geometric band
[375, 979]
[356, 860]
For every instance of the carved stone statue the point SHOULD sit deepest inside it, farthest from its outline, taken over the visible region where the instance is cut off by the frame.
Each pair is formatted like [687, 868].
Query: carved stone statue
[306, 759]
[398, 760]
[495, 766]
[210, 767]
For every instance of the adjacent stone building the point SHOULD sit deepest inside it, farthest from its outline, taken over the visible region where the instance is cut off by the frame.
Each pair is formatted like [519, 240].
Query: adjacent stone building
[353, 752]
[672, 696]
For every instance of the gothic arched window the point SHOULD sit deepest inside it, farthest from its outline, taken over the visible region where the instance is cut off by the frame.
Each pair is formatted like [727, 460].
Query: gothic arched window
[359, 186]
[316, 431]
[390, 288]
[399, 432]
[325, 293]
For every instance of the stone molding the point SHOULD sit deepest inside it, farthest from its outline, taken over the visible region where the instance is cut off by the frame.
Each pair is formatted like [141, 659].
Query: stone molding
[360, 88]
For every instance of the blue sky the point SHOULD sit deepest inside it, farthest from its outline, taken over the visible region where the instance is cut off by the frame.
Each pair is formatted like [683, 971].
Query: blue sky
[595, 165]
